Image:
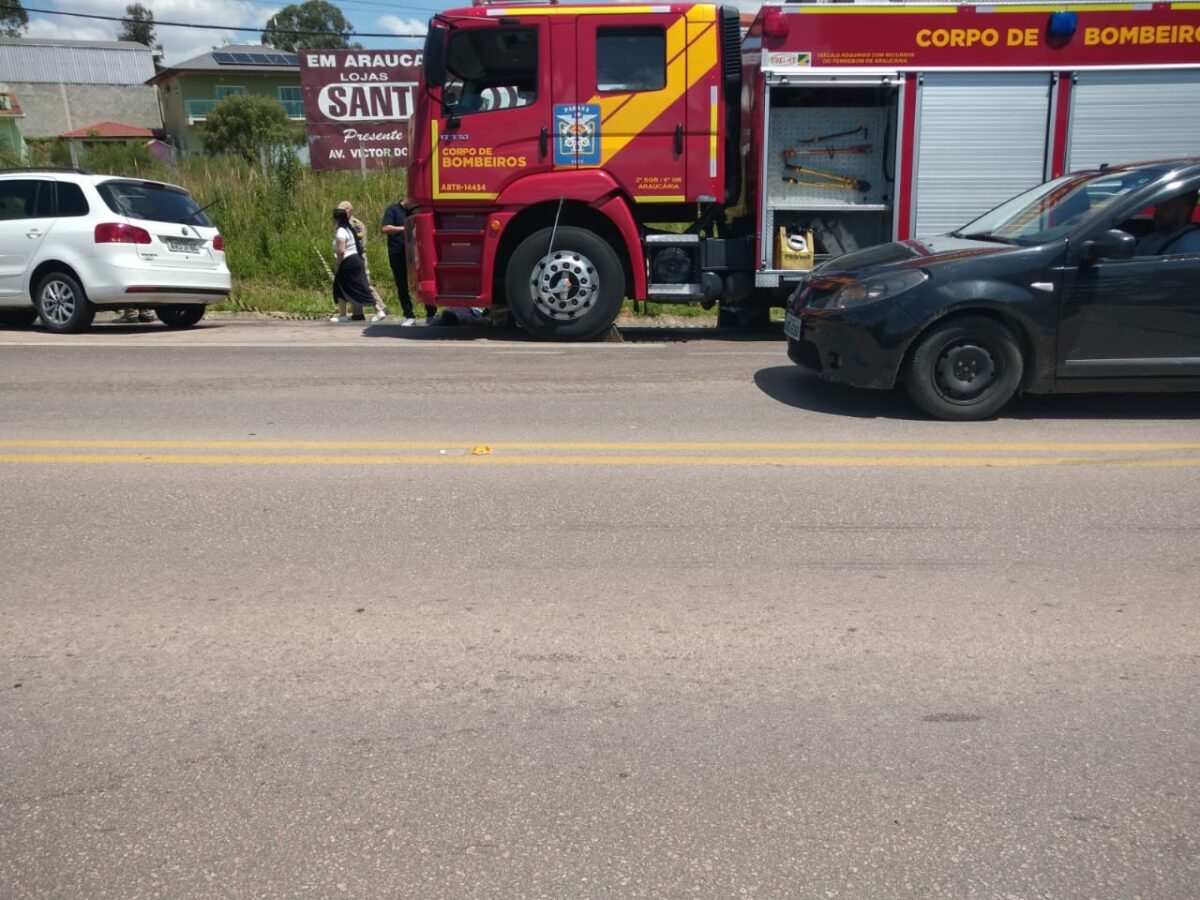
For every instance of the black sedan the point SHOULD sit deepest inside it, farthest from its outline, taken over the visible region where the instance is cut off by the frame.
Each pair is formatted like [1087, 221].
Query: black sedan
[1089, 282]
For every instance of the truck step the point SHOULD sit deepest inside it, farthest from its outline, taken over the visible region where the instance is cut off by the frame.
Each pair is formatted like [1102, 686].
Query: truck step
[672, 240]
[668, 293]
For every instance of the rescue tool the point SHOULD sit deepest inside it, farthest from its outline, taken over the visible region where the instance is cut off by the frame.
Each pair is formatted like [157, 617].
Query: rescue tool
[821, 138]
[829, 151]
[821, 178]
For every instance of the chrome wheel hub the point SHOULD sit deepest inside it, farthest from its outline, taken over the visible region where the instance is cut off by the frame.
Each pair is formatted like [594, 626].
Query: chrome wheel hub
[564, 285]
[58, 302]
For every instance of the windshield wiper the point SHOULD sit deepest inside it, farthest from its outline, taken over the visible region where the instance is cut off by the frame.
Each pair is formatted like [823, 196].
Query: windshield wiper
[191, 216]
[984, 236]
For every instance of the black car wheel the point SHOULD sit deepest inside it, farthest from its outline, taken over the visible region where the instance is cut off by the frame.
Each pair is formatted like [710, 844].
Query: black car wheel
[18, 318]
[62, 304]
[573, 292]
[181, 315]
[966, 369]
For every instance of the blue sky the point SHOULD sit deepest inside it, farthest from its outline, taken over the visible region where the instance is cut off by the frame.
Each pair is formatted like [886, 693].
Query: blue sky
[184, 43]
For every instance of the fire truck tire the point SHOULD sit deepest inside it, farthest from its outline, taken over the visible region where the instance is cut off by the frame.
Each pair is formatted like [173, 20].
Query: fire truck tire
[572, 293]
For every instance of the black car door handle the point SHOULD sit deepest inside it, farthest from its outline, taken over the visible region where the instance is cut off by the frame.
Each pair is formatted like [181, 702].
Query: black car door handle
[679, 139]
[543, 142]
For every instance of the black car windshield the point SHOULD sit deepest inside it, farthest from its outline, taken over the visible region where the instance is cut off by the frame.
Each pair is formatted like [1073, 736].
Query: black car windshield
[1050, 210]
[152, 201]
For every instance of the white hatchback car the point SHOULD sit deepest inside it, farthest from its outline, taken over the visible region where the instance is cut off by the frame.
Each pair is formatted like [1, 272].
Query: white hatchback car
[72, 243]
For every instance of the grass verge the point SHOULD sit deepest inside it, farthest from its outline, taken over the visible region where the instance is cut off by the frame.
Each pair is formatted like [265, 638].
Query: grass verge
[257, 295]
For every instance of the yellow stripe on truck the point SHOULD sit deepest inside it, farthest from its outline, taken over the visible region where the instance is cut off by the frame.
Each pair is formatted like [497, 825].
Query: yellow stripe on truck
[624, 116]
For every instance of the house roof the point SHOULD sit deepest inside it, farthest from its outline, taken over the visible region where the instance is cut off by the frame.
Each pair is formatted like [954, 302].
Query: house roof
[109, 130]
[235, 58]
[36, 61]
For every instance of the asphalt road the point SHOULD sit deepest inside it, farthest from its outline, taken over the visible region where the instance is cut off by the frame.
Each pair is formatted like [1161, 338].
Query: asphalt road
[292, 610]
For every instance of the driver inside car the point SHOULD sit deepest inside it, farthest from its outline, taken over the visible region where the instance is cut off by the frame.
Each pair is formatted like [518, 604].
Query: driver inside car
[1174, 231]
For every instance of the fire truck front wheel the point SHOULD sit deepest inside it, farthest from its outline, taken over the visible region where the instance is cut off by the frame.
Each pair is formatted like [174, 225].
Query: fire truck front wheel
[570, 289]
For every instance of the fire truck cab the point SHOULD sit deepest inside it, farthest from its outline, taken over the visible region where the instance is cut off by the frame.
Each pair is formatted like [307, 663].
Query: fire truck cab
[563, 158]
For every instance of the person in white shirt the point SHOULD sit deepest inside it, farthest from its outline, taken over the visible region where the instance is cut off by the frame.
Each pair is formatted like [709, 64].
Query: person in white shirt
[360, 231]
[350, 283]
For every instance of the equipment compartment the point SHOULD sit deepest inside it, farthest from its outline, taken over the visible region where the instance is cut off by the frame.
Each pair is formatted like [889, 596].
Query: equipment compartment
[830, 166]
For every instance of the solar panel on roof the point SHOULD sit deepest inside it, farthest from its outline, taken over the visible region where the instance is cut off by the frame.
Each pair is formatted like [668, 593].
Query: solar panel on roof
[225, 58]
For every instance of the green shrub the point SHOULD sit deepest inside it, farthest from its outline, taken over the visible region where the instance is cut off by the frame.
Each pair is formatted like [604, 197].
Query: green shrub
[278, 230]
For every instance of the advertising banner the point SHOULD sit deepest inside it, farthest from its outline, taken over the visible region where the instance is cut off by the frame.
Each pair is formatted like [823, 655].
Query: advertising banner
[909, 37]
[357, 104]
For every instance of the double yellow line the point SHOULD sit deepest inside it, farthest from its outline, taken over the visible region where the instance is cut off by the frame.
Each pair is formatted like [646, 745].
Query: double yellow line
[913, 454]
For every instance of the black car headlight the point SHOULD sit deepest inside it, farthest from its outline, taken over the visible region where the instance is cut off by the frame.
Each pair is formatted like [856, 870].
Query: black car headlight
[874, 289]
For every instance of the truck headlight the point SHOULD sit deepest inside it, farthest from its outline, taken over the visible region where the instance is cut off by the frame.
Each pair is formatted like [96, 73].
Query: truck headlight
[872, 290]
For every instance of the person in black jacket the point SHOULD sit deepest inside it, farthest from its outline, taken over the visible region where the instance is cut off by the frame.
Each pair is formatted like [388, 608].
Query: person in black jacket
[394, 220]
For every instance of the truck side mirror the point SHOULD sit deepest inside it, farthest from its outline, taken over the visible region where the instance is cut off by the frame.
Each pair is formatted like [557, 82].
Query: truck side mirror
[435, 56]
[1112, 244]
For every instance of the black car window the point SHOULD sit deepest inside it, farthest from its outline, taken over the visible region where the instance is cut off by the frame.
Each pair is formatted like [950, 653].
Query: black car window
[1049, 211]
[19, 199]
[71, 201]
[153, 201]
[1175, 225]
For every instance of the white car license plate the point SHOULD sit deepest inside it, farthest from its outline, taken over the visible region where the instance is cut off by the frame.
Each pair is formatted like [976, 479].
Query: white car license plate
[793, 327]
[183, 246]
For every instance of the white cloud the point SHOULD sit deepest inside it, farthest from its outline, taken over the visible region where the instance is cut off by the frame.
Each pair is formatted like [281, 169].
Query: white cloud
[59, 29]
[397, 25]
[179, 44]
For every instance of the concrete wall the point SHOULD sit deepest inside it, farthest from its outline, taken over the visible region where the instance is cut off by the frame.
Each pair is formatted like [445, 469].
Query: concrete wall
[52, 109]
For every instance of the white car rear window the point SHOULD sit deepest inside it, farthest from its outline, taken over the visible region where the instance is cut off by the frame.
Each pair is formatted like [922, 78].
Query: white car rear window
[155, 202]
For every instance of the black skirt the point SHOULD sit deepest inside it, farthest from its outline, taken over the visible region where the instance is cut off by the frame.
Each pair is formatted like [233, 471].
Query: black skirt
[350, 282]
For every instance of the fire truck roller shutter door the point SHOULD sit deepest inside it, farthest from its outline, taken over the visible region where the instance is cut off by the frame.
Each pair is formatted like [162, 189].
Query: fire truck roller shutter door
[1158, 114]
[981, 138]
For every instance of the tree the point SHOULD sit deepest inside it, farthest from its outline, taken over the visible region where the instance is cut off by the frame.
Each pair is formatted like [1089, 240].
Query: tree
[138, 25]
[241, 124]
[331, 28]
[13, 19]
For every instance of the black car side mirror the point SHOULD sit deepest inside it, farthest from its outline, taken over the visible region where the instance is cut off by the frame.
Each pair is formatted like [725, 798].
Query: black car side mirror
[1112, 244]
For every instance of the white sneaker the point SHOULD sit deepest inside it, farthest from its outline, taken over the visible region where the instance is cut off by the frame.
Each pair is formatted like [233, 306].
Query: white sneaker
[379, 316]
[408, 323]
[339, 319]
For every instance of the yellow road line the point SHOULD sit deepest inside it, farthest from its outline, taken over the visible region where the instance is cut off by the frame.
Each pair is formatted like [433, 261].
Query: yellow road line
[679, 446]
[228, 459]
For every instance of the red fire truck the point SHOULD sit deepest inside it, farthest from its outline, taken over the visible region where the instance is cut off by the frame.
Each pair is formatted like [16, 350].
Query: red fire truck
[563, 158]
